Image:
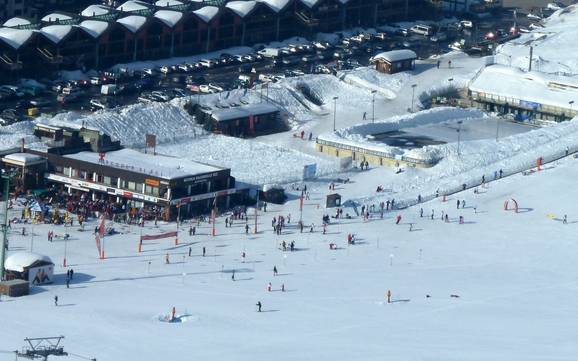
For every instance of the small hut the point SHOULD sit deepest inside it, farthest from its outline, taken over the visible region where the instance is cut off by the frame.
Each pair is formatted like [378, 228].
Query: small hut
[333, 200]
[395, 61]
[35, 268]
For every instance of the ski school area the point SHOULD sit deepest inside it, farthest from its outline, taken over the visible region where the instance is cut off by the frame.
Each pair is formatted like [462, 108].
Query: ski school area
[417, 283]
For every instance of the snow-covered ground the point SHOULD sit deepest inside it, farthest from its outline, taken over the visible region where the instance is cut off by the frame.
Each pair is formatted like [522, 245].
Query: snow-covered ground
[554, 49]
[515, 284]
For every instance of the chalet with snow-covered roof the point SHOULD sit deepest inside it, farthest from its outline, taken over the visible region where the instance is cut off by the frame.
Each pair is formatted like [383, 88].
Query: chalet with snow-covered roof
[394, 61]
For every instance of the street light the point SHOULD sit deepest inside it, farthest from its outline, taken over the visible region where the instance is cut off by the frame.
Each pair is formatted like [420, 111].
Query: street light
[412, 95]
[334, 111]
[373, 106]
[459, 130]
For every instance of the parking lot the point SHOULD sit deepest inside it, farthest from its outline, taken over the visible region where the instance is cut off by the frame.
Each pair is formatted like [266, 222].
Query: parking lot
[109, 90]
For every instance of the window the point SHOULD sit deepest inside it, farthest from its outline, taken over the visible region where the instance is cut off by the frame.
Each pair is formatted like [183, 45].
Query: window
[99, 178]
[132, 186]
[107, 181]
[154, 191]
[59, 169]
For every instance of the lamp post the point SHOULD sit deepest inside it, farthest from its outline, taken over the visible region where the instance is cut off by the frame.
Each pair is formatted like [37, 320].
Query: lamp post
[413, 86]
[3, 246]
[459, 130]
[373, 106]
[334, 111]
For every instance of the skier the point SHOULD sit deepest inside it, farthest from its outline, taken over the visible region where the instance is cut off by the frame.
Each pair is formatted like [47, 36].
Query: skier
[501, 172]
[269, 287]
[432, 214]
[194, 230]
[421, 213]
[233, 276]
[463, 203]
[68, 283]
[258, 306]
[461, 219]
[71, 273]
[446, 218]
[167, 261]
[190, 250]
[246, 229]
[282, 287]
[449, 64]
[275, 271]
[55, 300]
[565, 220]
[190, 231]
[438, 64]
[364, 115]
[398, 219]
[458, 204]
[204, 251]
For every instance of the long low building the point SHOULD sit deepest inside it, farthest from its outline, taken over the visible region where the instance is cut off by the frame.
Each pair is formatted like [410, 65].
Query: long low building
[527, 95]
[101, 36]
[87, 161]
[241, 121]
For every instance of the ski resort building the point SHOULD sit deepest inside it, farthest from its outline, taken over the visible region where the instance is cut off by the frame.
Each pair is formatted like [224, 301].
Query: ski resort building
[243, 121]
[101, 36]
[86, 161]
[526, 95]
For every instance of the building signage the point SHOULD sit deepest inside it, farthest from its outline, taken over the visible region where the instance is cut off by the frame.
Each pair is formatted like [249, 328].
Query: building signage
[200, 197]
[152, 182]
[200, 177]
[87, 186]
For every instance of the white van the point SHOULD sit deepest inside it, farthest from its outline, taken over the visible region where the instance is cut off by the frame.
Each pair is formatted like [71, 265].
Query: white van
[420, 29]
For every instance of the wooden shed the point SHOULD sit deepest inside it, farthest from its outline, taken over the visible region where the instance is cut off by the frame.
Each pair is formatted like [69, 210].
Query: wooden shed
[14, 288]
[395, 61]
[34, 268]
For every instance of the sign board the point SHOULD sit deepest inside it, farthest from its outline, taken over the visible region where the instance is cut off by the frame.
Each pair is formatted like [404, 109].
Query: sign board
[151, 140]
[152, 182]
[530, 105]
[309, 171]
[40, 275]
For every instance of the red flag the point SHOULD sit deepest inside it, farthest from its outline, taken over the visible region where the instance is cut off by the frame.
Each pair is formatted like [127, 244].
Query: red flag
[100, 237]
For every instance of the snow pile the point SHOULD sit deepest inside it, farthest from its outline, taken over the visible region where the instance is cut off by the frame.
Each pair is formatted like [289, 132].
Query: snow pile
[387, 85]
[250, 161]
[11, 136]
[130, 124]
[139, 65]
[483, 158]
[358, 135]
[554, 45]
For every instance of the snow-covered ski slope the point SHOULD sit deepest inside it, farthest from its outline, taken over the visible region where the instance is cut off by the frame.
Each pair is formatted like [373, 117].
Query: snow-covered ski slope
[514, 275]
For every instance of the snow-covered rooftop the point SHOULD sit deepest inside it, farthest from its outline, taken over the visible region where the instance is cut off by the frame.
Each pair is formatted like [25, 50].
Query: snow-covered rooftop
[56, 33]
[207, 13]
[161, 166]
[56, 17]
[94, 28]
[396, 55]
[276, 5]
[133, 5]
[15, 37]
[221, 115]
[534, 87]
[133, 22]
[169, 17]
[242, 8]
[23, 158]
[167, 3]
[20, 260]
[16, 22]
[95, 10]
[310, 3]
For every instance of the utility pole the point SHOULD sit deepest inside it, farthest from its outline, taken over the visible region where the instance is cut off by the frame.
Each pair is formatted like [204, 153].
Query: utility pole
[256, 207]
[334, 111]
[412, 95]
[373, 106]
[459, 134]
[4, 245]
